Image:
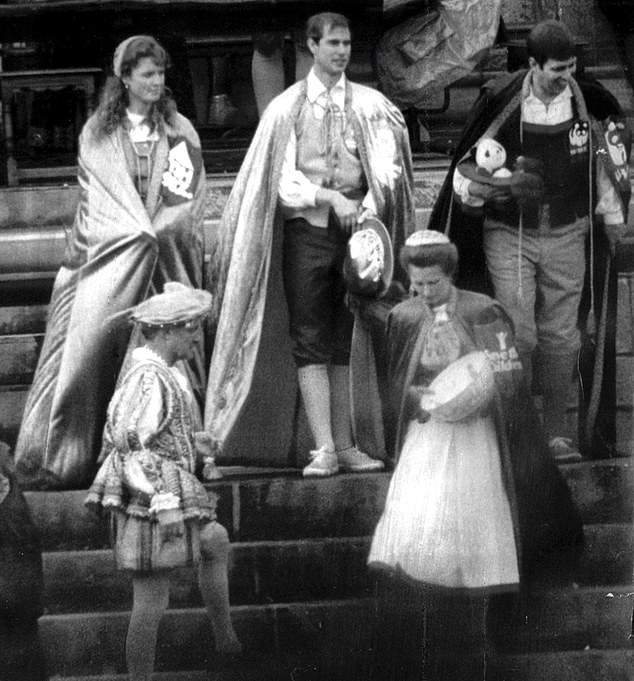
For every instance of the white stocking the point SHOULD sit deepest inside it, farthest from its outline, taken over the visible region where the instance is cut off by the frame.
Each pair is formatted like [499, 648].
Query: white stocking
[340, 406]
[314, 386]
[151, 595]
[214, 586]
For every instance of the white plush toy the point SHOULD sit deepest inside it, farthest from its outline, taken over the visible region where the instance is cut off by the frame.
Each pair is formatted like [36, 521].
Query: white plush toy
[490, 158]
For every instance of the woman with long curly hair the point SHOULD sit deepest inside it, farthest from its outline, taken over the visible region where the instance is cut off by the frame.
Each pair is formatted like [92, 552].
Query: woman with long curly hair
[138, 224]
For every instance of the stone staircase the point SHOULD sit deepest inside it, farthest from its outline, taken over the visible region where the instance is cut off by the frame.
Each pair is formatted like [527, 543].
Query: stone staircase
[302, 597]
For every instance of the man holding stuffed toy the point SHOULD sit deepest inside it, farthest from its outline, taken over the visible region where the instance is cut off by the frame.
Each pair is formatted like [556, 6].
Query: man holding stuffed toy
[327, 154]
[562, 204]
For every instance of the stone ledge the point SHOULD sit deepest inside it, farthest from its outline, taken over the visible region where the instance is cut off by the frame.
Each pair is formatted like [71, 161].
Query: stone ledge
[286, 571]
[290, 507]
[563, 620]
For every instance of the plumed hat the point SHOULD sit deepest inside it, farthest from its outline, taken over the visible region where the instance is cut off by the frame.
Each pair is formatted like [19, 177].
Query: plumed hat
[177, 304]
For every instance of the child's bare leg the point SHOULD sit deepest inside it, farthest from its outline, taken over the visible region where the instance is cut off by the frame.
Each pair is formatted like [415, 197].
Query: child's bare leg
[214, 585]
[151, 595]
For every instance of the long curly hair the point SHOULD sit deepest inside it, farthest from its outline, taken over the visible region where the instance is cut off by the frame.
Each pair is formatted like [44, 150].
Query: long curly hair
[114, 96]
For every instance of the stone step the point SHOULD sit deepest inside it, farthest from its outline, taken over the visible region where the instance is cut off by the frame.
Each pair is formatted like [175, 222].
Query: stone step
[285, 571]
[160, 676]
[18, 358]
[93, 643]
[22, 319]
[259, 573]
[288, 507]
[12, 401]
[569, 619]
[587, 665]
[191, 675]
[277, 638]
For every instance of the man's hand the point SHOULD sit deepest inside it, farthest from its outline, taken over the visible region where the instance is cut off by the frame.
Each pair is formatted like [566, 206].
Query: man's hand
[489, 193]
[527, 180]
[364, 214]
[614, 234]
[344, 209]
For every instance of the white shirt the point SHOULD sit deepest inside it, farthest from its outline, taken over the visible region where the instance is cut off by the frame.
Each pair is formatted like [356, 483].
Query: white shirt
[556, 111]
[295, 189]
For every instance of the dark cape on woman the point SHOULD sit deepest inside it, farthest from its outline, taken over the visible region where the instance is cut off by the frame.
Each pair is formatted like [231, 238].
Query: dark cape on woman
[547, 525]
[597, 363]
[120, 250]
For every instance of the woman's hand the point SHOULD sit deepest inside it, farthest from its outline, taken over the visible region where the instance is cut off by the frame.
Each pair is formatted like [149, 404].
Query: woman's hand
[414, 410]
[422, 416]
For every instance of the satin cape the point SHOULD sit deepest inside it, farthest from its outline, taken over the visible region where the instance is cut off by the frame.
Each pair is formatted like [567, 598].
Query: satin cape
[120, 250]
[252, 376]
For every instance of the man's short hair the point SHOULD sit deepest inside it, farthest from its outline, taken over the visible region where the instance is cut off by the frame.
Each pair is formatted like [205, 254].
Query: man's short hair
[318, 24]
[550, 40]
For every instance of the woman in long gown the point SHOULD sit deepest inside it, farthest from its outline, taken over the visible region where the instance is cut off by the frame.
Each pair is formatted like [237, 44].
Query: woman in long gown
[138, 224]
[473, 504]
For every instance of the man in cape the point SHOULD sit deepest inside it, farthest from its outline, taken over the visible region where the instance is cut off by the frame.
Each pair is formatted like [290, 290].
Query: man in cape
[547, 230]
[327, 154]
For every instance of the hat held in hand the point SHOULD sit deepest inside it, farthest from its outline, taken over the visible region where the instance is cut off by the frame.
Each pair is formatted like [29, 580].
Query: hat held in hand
[369, 263]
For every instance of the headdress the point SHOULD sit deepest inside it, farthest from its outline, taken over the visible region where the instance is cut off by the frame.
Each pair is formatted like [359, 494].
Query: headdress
[177, 304]
[119, 53]
[427, 237]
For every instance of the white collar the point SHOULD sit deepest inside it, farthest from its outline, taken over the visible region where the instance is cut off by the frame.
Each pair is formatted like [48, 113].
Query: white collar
[564, 95]
[143, 353]
[140, 130]
[441, 312]
[315, 89]
[134, 118]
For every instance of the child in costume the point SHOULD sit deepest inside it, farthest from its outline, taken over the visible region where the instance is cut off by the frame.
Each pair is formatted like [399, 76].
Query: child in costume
[162, 515]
